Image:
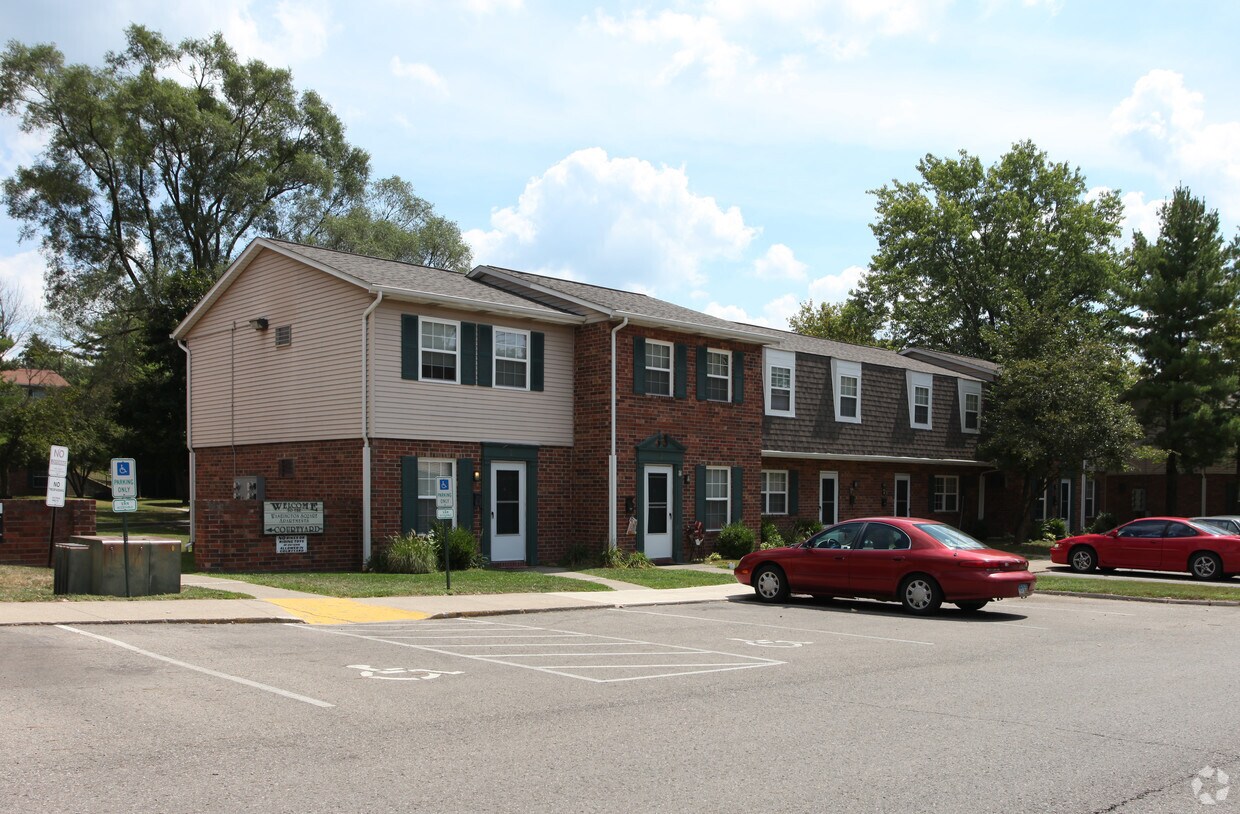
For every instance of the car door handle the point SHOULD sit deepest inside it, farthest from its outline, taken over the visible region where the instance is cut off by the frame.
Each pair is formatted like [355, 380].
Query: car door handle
[897, 559]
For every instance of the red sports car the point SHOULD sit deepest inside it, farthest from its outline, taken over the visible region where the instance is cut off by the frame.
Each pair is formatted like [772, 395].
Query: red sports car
[1154, 544]
[919, 563]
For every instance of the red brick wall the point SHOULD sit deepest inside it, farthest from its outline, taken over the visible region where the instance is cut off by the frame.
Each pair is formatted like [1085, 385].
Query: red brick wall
[1115, 494]
[27, 525]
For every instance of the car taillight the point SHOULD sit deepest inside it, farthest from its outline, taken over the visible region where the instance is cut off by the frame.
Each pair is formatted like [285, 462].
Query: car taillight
[976, 564]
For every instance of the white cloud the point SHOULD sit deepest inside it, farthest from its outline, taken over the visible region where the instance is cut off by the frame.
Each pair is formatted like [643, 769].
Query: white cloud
[485, 7]
[699, 41]
[617, 221]
[779, 263]
[774, 314]
[1141, 216]
[836, 287]
[18, 149]
[418, 72]
[300, 31]
[23, 274]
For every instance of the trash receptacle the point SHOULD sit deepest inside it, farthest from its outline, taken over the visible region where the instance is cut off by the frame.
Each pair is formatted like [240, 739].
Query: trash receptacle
[71, 569]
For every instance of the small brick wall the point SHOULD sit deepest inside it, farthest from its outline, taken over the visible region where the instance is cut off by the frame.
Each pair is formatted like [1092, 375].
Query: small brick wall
[27, 524]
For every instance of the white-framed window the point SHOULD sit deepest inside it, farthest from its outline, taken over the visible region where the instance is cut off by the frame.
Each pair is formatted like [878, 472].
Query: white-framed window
[718, 497]
[718, 375]
[1089, 496]
[511, 358]
[970, 405]
[437, 349]
[903, 497]
[779, 379]
[1138, 498]
[658, 367]
[430, 470]
[946, 493]
[846, 381]
[774, 491]
[920, 389]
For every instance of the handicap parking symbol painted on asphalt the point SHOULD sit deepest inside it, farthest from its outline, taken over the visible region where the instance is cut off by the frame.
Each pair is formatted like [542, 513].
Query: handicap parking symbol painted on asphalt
[401, 673]
[770, 642]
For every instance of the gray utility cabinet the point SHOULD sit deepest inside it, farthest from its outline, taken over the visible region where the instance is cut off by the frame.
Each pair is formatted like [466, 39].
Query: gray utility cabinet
[154, 566]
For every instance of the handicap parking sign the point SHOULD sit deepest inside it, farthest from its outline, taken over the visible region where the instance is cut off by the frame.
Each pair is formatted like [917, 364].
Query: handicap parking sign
[445, 484]
[122, 468]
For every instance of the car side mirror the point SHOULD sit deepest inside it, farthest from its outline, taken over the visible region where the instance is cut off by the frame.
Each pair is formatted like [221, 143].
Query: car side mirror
[1113, 533]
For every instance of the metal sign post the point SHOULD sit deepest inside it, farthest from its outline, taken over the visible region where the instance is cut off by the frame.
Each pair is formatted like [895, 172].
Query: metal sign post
[444, 508]
[57, 471]
[124, 500]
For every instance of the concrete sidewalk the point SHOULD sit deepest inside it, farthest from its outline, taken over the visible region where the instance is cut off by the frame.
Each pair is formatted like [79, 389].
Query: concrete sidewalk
[280, 605]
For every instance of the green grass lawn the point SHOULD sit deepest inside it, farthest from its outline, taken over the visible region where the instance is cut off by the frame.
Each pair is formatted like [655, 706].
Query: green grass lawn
[1033, 549]
[23, 583]
[1048, 583]
[154, 518]
[662, 577]
[473, 581]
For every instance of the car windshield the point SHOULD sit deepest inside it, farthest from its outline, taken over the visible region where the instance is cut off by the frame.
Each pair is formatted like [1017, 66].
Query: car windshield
[950, 537]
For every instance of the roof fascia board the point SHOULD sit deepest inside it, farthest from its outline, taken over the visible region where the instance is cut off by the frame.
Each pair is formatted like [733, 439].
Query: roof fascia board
[694, 328]
[952, 359]
[889, 459]
[473, 304]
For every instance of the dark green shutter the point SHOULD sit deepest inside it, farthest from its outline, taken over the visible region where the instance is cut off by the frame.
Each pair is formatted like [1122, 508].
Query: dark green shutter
[465, 493]
[701, 373]
[485, 348]
[469, 353]
[682, 370]
[537, 341]
[738, 377]
[1229, 491]
[639, 364]
[408, 494]
[699, 493]
[738, 493]
[794, 502]
[408, 346]
[930, 495]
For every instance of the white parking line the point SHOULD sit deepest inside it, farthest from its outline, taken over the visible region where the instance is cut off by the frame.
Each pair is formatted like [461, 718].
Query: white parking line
[206, 671]
[776, 627]
[623, 658]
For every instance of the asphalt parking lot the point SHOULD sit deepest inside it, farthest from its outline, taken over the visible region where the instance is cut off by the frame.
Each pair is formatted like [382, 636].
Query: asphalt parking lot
[1050, 704]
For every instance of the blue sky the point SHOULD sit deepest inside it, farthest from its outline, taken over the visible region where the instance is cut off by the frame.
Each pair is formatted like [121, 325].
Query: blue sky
[715, 154]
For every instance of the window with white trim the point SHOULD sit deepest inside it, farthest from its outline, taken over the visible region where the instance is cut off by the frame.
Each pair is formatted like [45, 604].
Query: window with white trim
[658, 367]
[846, 380]
[946, 493]
[970, 405]
[1089, 497]
[430, 471]
[718, 494]
[437, 343]
[779, 379]
[512, 354]
[774, 491]
[920, 389]
[718, 375]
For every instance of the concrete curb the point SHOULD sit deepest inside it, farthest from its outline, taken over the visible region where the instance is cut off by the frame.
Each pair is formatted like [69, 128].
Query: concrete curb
[1165, 600]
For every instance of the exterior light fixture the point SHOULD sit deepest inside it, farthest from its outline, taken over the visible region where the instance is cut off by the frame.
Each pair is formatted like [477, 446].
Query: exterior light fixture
[259, 324]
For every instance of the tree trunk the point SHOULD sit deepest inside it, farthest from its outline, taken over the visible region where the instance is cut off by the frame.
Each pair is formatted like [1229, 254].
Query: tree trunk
[1024, 519]
[1171, 506]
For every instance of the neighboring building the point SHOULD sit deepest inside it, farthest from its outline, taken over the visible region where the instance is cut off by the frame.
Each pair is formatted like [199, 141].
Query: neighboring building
[32, 480]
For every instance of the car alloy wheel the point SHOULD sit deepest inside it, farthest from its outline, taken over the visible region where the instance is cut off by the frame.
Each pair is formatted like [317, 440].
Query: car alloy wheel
[1205, 566]
[769, 584]
[1083, 560]
[921, 594]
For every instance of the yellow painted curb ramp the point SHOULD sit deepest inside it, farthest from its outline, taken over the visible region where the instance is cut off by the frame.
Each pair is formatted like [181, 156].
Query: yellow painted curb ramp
[343, 611]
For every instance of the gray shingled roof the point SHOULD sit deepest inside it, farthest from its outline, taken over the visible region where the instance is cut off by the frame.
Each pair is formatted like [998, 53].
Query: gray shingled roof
[864, 354]
[973, 361]
[391, 274]
[625, 303]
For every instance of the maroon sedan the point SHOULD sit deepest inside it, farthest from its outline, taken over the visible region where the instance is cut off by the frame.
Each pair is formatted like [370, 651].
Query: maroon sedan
[1154, 544]
[919, 563]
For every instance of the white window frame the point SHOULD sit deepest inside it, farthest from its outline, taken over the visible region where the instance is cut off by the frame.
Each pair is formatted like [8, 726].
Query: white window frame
[451, 469]
[907, 480]
[834, 477]
[942, 493]
[726, 499]
[1089, 497]
[767, 491]
[912, 382]
[727, 380]
[456, 354]
[496, 358]
[786, 360]
[671, 367]
[839, 370]
[966, 389]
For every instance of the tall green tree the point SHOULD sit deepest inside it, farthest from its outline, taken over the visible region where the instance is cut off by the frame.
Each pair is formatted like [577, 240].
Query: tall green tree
[1057, 404]
[844, 322]
[965, 247]
[1182, 294]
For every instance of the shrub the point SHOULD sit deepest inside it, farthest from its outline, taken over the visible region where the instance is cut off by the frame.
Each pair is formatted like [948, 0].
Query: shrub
[771, 538]
[405, 554]
[1053, 529]
[735, 540]
[1103, 522]
[463, 550]
[615, 558]
[578, 554]
[638, 560]
[804, 529]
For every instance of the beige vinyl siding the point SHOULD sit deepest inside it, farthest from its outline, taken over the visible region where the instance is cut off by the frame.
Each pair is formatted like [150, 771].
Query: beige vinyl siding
[246, 390]
[454, 412]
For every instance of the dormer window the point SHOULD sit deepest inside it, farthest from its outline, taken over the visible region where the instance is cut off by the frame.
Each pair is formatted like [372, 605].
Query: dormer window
[779, 382]
[846, 378]
[920, 389]
[970, 406]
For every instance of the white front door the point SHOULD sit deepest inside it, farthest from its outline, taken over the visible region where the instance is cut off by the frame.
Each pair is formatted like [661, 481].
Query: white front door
[658, 536]
[507, 511]
[828, 498]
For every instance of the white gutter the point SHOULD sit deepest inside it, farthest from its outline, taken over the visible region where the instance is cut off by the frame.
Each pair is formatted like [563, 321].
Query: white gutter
[370, 309]
[475, 304]
[189, 436]
[611, 459]
[890, 459]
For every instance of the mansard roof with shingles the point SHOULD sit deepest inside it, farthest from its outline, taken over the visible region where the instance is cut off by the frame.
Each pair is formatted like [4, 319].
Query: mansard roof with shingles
[865, 354]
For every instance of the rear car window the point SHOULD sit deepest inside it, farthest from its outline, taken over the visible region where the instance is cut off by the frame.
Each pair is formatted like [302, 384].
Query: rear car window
[950, 537]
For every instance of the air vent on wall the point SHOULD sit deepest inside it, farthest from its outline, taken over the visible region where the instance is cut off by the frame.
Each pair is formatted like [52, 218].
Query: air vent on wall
[284, 335]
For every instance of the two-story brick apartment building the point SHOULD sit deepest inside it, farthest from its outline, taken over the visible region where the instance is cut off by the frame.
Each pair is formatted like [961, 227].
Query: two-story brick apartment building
[557, 410]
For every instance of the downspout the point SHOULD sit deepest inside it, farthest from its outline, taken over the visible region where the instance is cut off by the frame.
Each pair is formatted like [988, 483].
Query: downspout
[370, 309]
[611, 459]
[189, 438]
